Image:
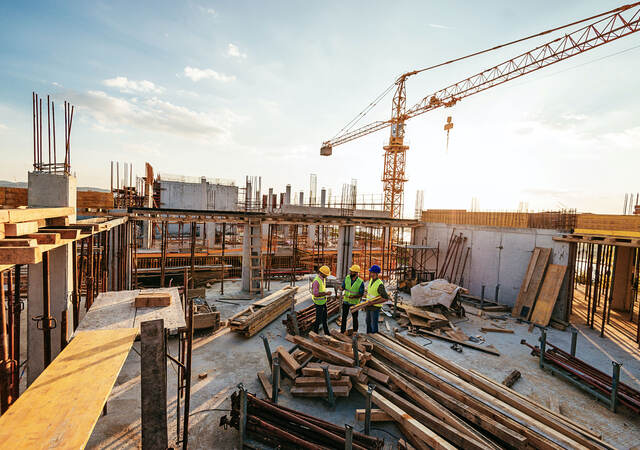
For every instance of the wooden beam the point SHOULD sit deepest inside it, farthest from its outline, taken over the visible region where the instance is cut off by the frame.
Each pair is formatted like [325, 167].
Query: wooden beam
[377, 415]
[20, 229]
[28, 214]
[495, 330]
[20, 255]
[490, 350]
[153, 385]
[65, 233]
[45, 238]
[19, 242]
[320, 381]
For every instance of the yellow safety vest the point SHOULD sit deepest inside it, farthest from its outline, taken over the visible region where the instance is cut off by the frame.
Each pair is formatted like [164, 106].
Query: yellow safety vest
[322, 287]
[352, 290]
[372, 290]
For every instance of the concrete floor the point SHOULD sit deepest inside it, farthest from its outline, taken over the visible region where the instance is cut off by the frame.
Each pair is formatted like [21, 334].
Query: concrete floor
[229, 359]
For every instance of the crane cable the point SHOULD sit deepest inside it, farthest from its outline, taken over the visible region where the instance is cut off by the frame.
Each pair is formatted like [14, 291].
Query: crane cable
[349, 126]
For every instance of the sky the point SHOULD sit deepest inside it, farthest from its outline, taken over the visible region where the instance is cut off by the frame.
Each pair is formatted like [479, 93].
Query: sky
[233, 88]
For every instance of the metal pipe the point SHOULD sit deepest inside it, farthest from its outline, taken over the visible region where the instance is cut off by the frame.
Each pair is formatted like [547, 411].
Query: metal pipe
[17, 310]
[267, 349]
[46, 309]
[367, 411]
[327, 381]
[615, 379]
[275, 380]
[243, 417]
[354, 345]
[348, 437]
[543, 345]
[187, 377]
[574, 339]
[4, 352]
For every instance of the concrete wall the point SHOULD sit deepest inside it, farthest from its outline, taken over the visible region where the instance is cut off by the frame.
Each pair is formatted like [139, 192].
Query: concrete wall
[204, 196]
[497, 255]
[295, 209]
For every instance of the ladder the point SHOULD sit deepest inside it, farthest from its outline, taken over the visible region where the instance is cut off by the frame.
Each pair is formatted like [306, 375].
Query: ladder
[256, 272]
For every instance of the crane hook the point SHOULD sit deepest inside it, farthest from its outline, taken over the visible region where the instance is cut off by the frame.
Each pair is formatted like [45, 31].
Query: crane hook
[447, 127]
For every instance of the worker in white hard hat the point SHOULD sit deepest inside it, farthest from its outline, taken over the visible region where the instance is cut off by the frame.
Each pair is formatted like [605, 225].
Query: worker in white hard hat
[353, 288]
[319, 295]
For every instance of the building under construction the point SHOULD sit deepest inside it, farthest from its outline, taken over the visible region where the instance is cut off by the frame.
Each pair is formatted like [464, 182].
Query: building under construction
[172, 311]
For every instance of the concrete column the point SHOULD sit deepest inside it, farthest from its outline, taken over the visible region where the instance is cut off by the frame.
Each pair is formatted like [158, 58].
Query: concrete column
[323, 198]
[147, 225]
[311, 235]
[621, 299]
[251, 247]
[346, 238]
[47, 190]
[301, 199]
[287, 196]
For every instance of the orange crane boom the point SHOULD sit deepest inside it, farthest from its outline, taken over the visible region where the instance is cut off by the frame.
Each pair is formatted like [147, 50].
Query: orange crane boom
[624, 21]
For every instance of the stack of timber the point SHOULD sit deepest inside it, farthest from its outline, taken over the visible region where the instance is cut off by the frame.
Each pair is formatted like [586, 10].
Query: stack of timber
[13, 197]
[281, 427]
[22, 237]
[439, 404]
[94, 200]
[589, 375]
[261, 313]
[307, 316]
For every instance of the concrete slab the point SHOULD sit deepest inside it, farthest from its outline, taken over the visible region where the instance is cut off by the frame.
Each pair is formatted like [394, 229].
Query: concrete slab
[229, 359]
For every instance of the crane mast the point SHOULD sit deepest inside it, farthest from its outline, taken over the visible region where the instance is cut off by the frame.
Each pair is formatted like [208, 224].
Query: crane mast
[624, 21]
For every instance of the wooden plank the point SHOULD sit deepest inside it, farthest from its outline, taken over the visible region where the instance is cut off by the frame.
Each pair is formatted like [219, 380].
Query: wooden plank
[312, 391]
[153, 385]
[65, 233]
[320, 381]
[20, 229]
[400, 416]
[18, 242]
[548, 294]
[265, 382]
[287, 362]
[45, 238]
[377, 415]
[70, 393]
[349, 371]
[318, 372]
[152, 299]
[531, 285]
[495, 330]
[323, 353]
[28, 214]
[20, 255]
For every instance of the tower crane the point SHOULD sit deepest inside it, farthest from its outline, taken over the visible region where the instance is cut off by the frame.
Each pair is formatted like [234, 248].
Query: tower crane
[608, 27]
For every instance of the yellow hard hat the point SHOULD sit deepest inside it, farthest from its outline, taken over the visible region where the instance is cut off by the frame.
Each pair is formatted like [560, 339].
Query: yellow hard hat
[325, 270]
[354, 268]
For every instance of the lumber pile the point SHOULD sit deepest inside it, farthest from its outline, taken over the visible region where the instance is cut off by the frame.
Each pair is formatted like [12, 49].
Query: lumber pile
[438, 404]
[281, 427]
[13, 197]
[307, 316]
[94, 200]
[261, 313]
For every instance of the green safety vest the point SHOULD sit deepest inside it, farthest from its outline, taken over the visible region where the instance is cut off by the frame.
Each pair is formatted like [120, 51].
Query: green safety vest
[322, 288]
[352, 290]
[372, 290]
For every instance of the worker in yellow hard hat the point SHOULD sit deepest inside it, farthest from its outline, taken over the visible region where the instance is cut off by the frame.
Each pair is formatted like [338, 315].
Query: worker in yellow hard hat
[353, 288]
[319, 295]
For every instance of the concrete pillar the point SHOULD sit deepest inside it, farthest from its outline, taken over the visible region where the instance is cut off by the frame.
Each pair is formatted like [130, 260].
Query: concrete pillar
[47, 190]
[287, 196]
[311, 235]
[270, 200]
[301, 199]
[147, 225]
[622, 298]
[251, 247]
[346, 238]
[323, 198]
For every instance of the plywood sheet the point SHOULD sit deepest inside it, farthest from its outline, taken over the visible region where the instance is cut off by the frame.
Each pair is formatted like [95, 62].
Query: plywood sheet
[62, 406]
[113, 310]
[531, 282]
[548, 294]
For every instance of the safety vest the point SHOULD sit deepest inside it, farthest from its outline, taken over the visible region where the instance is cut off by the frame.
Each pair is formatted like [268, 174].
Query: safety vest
[321, 288]
[372, 290]
[352, 290]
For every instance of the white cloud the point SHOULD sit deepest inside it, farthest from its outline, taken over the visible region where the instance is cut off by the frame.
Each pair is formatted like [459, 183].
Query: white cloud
[129, 86]
[234, 52]
[196, 74]
[3, 127]
[436, 25]
[210, 11]
[112, 113]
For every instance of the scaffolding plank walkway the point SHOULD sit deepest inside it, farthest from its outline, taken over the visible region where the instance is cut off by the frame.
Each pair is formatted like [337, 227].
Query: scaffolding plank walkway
[113, 310]
[61, 407]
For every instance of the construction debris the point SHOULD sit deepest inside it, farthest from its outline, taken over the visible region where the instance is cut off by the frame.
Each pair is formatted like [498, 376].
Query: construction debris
[307, 316]
[281, 427]
[511, 378]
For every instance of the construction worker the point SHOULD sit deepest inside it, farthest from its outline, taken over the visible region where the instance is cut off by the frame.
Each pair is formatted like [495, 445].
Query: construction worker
[319, 295]
[375, 289]
[353, 288]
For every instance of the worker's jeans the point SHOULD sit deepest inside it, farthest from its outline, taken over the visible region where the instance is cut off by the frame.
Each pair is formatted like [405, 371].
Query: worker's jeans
[373, 313]
[321, 317]
[345, 313]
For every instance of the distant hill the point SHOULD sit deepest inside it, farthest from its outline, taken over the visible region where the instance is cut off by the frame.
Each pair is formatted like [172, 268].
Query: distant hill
[22, 184]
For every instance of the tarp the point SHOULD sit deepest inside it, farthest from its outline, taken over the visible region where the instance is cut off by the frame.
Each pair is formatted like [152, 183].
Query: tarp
[433, 293]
